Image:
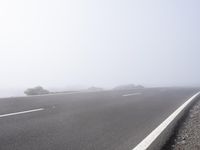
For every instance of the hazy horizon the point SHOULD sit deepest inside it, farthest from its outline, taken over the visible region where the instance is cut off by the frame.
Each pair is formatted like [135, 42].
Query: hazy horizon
[66, 43]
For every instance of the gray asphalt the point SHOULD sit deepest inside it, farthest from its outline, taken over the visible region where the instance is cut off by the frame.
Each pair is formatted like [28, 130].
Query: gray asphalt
[87, 121]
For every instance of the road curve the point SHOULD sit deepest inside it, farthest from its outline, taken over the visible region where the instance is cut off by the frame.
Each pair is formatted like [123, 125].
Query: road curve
[108, 120]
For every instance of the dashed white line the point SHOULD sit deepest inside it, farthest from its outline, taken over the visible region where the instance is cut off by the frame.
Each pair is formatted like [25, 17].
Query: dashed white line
[147, 141]
[21, 112]
[131, 94]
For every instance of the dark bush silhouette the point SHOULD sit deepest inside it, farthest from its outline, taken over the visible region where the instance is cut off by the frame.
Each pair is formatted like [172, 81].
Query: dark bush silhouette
[36, 91]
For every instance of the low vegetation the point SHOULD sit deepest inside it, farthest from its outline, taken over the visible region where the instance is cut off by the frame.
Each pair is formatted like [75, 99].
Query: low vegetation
[36, 91]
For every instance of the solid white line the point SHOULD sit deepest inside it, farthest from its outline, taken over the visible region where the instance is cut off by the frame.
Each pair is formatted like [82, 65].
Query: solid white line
[21, 112]
[52, 94]
[145, 143]
[131, 94]
[43, 95]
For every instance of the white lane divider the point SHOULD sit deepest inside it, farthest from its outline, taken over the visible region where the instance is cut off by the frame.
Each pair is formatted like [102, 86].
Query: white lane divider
[132, 94]
[147, 141]
[21, 112]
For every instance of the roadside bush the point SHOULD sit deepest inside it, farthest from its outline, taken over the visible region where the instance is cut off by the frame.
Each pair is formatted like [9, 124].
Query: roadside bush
[36, 91]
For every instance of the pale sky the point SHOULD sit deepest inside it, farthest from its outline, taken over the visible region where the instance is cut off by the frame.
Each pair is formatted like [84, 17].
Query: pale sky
[72, 43]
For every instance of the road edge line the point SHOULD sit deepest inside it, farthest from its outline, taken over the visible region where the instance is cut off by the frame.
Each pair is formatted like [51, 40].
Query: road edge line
[132, 94]
[168, 123]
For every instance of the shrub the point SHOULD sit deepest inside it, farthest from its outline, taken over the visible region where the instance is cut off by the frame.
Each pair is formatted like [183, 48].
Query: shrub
[36, 91]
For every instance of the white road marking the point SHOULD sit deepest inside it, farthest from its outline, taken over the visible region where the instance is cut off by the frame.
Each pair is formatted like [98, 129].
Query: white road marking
[131, 94]
[145, 143]
[21, 112]
[70, 93]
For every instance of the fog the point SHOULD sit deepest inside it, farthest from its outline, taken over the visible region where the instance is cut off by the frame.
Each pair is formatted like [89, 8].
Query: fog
[105, 43]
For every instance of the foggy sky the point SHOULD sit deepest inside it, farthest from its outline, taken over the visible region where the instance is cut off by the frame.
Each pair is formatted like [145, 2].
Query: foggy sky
[76, 43]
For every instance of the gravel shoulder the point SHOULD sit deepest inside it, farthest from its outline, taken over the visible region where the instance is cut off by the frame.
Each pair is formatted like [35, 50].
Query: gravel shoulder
[188, 134]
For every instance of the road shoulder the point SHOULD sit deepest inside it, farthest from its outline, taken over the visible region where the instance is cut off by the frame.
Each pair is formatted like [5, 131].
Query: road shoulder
[188, 134]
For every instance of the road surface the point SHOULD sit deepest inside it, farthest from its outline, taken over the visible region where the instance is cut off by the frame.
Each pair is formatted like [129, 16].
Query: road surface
[107, 120]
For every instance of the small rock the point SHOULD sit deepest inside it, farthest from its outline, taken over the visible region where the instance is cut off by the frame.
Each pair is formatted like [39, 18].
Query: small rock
[182, 142]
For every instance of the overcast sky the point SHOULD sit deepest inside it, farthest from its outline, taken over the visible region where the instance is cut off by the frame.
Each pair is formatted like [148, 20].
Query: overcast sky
[76, 43]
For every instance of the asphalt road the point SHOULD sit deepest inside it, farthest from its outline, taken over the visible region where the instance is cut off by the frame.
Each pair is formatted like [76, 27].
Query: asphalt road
[109, 120]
